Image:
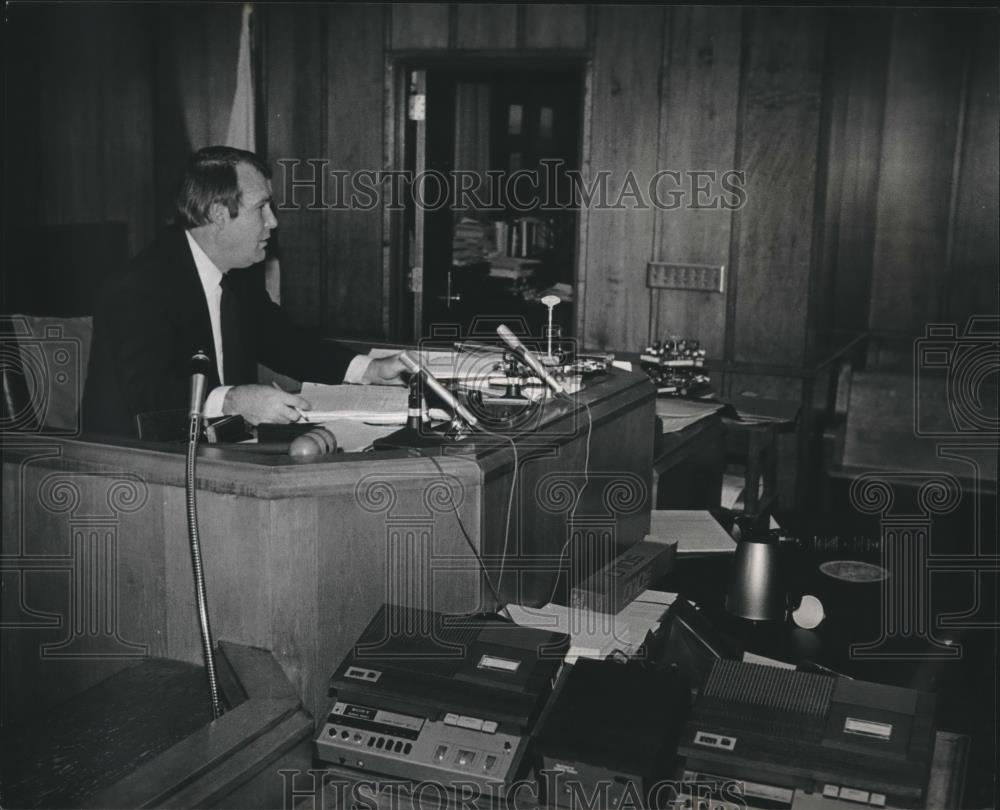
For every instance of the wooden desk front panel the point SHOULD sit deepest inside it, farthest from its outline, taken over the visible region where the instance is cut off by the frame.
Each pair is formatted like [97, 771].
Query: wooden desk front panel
[97, 568]
[298, 557]
[581, 494]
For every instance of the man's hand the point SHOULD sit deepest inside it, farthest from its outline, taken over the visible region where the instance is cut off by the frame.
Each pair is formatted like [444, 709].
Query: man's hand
[385, 371]
[262, 403]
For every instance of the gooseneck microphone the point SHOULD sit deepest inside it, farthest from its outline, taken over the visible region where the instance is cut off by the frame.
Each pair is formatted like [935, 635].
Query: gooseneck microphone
[457, 408]
[530, 359]
[200, 366]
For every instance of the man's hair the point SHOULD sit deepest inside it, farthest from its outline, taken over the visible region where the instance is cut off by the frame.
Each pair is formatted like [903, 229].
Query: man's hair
[209, 178]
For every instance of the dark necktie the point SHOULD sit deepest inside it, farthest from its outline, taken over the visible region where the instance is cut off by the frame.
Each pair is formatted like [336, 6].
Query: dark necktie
[230, 324]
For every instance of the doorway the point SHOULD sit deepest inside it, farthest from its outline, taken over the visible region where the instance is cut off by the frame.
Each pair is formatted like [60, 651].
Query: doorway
[492, 229]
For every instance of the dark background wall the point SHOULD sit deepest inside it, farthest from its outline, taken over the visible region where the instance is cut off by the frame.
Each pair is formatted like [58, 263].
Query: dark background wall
[869, 139]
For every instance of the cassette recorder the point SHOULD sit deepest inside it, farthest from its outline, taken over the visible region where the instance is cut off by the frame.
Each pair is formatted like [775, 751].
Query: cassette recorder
[430, 697]
[784, 733]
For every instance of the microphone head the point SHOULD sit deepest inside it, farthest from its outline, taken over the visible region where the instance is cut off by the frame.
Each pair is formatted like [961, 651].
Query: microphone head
[200, 362]
[530, 359]
[409, 363]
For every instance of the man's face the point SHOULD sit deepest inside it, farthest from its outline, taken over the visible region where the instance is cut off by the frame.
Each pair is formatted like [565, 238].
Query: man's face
[244, 237]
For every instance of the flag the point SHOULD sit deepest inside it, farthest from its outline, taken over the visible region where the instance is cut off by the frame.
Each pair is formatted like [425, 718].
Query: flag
[241, 130]
[241, 116]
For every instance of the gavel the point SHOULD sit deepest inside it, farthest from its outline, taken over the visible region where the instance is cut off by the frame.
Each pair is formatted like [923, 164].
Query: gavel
[316, 442]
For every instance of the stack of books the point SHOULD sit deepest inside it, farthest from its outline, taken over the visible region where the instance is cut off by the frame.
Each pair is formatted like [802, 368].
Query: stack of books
[468, 245]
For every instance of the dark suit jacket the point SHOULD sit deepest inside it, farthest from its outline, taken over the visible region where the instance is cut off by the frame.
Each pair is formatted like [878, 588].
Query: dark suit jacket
[152, 318]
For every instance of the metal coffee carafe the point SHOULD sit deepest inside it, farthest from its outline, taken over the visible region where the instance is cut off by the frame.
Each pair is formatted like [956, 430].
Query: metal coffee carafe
[756, 586]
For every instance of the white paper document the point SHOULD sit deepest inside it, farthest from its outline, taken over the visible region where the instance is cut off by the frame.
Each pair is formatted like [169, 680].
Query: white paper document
[381, 403]
[598, 635]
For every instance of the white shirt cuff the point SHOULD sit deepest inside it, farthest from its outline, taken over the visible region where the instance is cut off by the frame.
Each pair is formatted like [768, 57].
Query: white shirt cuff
[214, 400]
[356, 370]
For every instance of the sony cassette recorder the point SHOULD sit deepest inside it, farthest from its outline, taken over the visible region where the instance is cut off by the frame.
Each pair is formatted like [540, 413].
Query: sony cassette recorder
[429, 697]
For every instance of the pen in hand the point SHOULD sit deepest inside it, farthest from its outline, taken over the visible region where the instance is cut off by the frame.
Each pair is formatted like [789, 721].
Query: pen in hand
[302, 416]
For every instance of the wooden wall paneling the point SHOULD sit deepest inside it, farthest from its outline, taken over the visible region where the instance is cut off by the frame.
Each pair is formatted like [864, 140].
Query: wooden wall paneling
[295, 89]
[698, 125]
[354, 121]
[859, 48]
[485, 25]
[418, 25]
[551, 25]
[975, 257]
[779, 145]
[923, 97]
[628, 50]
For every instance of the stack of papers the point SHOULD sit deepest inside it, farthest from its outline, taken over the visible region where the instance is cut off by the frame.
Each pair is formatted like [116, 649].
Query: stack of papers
[598, 635]
[366, 403]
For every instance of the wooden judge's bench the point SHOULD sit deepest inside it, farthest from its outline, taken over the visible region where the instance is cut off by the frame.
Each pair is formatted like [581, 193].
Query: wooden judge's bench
[300, 554]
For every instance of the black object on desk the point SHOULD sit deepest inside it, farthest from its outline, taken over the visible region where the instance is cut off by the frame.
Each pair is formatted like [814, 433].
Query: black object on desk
[268, 432]
[612, 730]
[780, 732]
[753, 425]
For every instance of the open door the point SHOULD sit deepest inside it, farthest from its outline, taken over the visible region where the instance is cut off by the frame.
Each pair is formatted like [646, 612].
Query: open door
[481, 248]
[415, 161]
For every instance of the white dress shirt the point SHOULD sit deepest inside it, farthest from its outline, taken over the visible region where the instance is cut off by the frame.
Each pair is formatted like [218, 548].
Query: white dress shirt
[211, 281]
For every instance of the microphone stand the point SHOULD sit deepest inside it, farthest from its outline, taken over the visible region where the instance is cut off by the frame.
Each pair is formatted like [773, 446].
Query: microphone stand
[194, 431]
[413, 435]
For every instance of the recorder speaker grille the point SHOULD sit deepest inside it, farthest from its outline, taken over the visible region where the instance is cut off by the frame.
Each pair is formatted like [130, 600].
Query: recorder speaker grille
[770, 687]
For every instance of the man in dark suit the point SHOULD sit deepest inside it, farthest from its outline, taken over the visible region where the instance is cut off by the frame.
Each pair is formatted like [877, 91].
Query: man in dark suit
[180, 295]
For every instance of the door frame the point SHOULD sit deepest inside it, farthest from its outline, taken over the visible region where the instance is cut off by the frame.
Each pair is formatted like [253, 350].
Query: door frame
[397, 310]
